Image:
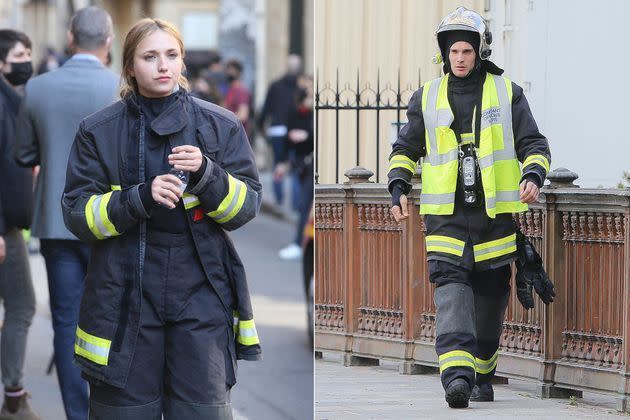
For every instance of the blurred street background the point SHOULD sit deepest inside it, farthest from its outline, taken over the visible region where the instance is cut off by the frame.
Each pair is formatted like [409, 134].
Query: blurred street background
[235, 50]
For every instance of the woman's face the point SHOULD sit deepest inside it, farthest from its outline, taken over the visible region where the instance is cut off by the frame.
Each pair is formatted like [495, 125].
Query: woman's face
[157, 64]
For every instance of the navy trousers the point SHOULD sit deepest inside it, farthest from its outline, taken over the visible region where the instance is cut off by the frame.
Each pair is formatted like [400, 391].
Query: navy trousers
[184, 362]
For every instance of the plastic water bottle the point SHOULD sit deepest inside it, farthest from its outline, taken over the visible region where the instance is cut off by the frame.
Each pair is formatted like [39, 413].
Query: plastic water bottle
[182, 175]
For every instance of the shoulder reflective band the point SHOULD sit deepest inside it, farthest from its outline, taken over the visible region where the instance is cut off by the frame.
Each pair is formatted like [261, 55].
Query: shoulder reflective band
[537, 159]
[486, 366]
[190, 201]
[91, 347]
[456, 358]
[232, 203]
[437, 243]
[97, 218]
[402, 161]
[496, 248]
[247, 334]
[115, 187]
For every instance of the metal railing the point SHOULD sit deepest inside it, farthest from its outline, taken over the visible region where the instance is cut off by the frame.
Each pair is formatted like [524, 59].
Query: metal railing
[359, 99]
[373, 299]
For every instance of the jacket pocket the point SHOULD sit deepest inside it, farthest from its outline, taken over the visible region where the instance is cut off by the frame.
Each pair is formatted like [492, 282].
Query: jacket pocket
[207, 138]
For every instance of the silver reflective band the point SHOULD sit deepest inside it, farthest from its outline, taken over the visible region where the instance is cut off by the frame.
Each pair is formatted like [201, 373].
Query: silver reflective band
[99, 351]
[98, 220]
[433, 242]
[248, 332]
[494, 248]
[503, 196]
[441, 159]
[487, 364]
[228, 210]
[506, 112]
[498, 155]
[444, 117]
[447, 198]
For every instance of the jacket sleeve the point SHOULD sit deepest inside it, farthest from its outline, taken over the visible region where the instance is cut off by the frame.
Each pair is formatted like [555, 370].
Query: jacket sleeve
[532, 148]
[409, 146]
[26, 148]
[93, 209]
[229, 191]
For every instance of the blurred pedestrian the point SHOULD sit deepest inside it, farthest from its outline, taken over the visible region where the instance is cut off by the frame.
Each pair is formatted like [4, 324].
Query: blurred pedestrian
[216, 77]
[279, 102]
[154, 181]
[49, 62]
[203, 90]
[297, 159]
[16, 204]
[54, 105]
[237, 99]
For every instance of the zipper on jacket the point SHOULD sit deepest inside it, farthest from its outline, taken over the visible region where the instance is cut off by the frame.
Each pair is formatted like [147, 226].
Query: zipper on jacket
[124, 304]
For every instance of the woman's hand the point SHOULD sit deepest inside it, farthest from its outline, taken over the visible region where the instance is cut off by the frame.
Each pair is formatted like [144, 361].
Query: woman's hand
[165, 190]
[186, 158]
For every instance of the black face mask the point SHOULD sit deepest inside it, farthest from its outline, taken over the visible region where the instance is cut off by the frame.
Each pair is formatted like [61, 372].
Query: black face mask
[20, 73]
[230, 78]
[301, 95]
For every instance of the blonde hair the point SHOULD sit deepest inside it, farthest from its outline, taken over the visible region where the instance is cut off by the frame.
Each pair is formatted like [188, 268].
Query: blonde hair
[136, 34]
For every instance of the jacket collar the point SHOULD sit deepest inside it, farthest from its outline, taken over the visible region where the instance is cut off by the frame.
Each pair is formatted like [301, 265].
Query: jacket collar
[172, 120]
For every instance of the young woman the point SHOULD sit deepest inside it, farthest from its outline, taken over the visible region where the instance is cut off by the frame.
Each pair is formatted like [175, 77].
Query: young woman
[153, 182]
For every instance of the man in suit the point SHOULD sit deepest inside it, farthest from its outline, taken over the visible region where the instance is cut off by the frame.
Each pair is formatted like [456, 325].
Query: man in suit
[54, 105]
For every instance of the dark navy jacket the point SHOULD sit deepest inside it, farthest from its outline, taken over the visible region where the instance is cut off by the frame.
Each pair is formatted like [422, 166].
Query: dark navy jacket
[101, 204]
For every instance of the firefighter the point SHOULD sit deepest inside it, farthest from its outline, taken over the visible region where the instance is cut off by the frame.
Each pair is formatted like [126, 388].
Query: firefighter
[472, 127]
[153, 182]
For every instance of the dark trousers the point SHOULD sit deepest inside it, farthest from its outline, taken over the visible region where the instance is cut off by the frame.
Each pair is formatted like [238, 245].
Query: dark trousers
[184, 361]
[66, 266]
[278, 147]
[470, 310]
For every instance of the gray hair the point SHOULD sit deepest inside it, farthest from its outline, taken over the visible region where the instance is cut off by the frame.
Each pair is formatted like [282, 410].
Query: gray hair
[90, 27]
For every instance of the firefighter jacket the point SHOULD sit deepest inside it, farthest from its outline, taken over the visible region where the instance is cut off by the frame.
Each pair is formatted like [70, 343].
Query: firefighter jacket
[498, 121]
[101, 205]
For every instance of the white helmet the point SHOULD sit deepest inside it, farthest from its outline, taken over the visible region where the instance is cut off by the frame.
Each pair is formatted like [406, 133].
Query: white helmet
[463, 19]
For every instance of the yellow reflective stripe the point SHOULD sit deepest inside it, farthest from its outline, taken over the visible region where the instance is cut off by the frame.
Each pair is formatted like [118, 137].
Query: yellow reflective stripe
[453, 353]
[496, 248]
[486, 366]
[468, 138]
[89, 217]
[247, 334]
[233, 201]
[456, 358]
[190, 201]
[447, 365]
[438, 243]
[445, 239]
[227, 199]
[92, 347]
[242, 193]
[115, 187]
[437, 248]
[496, 242]
[537, 159]
[111, 230]
[402, 161]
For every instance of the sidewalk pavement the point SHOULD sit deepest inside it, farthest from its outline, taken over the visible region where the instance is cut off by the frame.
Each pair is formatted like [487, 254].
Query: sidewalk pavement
[380, 392]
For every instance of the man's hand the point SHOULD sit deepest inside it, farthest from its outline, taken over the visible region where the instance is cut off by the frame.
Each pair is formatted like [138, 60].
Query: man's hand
[529, 192]
[165, 190]
[3, 250]
[400, 215]
[186, 158]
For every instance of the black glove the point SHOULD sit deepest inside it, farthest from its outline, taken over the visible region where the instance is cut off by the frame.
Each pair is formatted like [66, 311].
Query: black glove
[530, 272]
[397, 191]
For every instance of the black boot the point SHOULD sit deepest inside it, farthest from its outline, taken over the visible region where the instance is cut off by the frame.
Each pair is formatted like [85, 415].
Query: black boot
[483, 392]
[458, 393]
